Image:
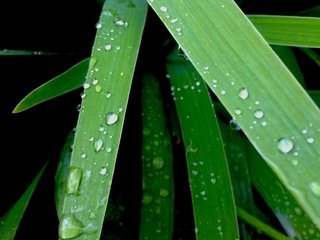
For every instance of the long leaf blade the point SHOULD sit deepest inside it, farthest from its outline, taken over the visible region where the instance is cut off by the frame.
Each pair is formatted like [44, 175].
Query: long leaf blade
[101, 118]
[67, 81]
[288, 30]
[212, 197]
[272, 108]
[9, 223]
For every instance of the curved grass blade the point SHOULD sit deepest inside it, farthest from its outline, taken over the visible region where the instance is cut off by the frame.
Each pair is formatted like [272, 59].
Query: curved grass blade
[9, 223]
[70, 80]
[258, 224]
[101, 118]
[293, 219]
[257, 89]
[157, 166]
[288, 30]
[212, 198]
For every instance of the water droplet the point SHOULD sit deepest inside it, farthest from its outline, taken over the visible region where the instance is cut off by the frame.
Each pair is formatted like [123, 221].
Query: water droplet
[120, 23]
[174, 20]
[158, 162]
[83, 155]
[194, 172]
[163, 9]
[103, 171]
[234, 125]
[108, 47]
[98, 145]
[259, 114]
[111, 118]
[74, 180]
[70, 227]
[108, 95]
[98, 25]
[95, 81]
[223, 92]
[86, 85]
[264, 123]
[98, 88]
[237, 111]
[310, 140]
[304, 131]
[243, 93]
[108, 149]
[147, 198]
[164, 192]
[285, 145]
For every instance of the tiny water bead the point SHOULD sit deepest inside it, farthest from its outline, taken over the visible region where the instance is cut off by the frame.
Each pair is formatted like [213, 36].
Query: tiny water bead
[147, 198]
[163, 9]
[310, 140]
[243, 93]
[73, 180]
[103, 171]
[111, 118]
[259, 114]
[108, 47]
[285, 145]
[164, 192]
[70, 227]
[237, 111]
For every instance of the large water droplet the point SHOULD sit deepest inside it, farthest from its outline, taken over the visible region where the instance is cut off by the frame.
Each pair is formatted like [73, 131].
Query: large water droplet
[285, 145]
[158, 162]
[73, 180]
[103, 171]
[243, 93]
[98, 145]
[70, 227]
[111, 118]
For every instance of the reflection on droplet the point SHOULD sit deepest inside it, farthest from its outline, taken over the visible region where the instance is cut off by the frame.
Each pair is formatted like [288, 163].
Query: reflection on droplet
[243, 93]
[98, 145]
[111, 118]
[157, 162]
[103, 171]
[285, 145]
[259, 114]
[70, 227]
[310, 140]
[73, 180]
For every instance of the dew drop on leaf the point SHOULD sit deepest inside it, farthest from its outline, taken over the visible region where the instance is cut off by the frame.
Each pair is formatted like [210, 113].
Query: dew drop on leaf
[73, 180]
[157, 162]
[315, 188]
[111, 118]
[243, 93]
[259, 114]
[70, 227]
[285, 145]
[98, 145]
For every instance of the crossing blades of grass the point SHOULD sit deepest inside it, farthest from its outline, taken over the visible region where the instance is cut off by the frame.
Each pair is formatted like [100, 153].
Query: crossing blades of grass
[288, 30]
[257, 89]
[101, 118]
[9, 223]
[70, 80]
[212, 198]
[157, 199]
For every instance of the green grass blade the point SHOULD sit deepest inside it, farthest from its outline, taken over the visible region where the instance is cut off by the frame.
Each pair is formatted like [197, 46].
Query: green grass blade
[212, 198]
[70, 80]
[258, 224]
[157, 156]
[288, 30]
[257, 89]
[9, 223]
[15, 52]
[293, 219]
[101, 118]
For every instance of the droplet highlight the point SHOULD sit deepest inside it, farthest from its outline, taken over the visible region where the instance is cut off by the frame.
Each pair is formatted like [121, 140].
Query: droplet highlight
[111, 118]
[285, 145]
[243, 93]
